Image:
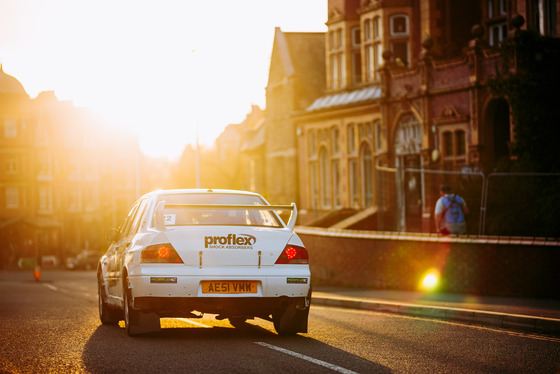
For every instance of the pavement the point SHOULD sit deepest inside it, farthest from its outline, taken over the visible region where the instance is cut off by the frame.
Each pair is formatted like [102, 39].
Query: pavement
[541, 316]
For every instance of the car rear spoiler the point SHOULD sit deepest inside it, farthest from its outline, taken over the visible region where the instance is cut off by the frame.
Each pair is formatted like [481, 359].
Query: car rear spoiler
[160, 225]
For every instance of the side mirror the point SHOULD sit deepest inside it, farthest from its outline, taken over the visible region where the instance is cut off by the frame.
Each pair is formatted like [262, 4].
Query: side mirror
[112, 235]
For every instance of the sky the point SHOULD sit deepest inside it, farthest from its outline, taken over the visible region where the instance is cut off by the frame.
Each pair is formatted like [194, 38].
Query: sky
[166, 69]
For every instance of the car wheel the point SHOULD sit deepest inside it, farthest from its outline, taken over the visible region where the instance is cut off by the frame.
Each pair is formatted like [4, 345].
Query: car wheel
[290, 320]
[137, 322]
[107, 315]
[130, 315]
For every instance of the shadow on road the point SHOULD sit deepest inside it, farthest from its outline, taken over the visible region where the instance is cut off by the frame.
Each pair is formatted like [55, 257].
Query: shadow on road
[215, 349]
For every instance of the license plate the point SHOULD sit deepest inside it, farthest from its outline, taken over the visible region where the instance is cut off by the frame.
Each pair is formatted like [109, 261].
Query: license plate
[229, 287]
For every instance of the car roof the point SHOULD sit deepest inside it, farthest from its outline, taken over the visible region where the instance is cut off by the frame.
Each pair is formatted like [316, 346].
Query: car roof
[201, 191]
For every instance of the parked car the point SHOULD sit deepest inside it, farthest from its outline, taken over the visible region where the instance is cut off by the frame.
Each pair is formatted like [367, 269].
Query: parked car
[85, 260]
[180, 253]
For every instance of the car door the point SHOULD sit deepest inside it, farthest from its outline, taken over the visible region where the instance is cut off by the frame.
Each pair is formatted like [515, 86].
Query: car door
[134, 224]
[115, 253]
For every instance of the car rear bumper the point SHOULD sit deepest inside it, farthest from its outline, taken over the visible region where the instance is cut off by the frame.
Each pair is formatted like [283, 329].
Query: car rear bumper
[191, 286]
[225, 306]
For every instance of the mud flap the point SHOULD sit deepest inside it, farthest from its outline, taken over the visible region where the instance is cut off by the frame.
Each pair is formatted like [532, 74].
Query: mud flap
[144, 323]
[291, 319]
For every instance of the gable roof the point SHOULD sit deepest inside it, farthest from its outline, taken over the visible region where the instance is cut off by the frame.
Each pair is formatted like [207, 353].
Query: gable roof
[300, 56]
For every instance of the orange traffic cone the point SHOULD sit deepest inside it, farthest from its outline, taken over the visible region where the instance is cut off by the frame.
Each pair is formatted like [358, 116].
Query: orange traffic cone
[37, 272]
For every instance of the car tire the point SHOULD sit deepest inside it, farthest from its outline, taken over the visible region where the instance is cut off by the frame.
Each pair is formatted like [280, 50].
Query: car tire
[107, 315]
[137, 322]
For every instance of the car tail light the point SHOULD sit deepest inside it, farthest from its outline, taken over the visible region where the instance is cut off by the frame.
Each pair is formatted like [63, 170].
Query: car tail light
[293, 254]
[160, 253]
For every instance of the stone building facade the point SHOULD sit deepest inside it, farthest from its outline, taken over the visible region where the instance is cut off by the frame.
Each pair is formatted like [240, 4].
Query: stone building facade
[406, 88]
[296, 77]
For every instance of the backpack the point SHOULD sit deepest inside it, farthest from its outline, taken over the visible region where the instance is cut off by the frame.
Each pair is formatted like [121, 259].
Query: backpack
[454, 212]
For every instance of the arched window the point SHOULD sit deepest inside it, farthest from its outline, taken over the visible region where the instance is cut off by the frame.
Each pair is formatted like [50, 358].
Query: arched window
[408, 138]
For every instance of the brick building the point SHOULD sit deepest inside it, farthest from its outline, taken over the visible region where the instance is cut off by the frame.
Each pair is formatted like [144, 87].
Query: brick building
[406, 87]
[296, 78]
[65, 176]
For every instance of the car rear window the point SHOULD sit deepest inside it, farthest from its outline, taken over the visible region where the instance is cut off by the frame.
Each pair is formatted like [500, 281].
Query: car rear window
[177, 215]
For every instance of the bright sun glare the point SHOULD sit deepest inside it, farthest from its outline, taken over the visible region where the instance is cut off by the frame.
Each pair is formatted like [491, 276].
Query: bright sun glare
[430, 280]
[163, 69]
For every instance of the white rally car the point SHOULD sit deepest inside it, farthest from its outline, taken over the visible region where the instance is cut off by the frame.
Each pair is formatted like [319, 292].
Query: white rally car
[182, 253]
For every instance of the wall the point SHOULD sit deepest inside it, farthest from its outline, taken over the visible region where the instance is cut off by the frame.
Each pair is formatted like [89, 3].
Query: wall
[504, 266]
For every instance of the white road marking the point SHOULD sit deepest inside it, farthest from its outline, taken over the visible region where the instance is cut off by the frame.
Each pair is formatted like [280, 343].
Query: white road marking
[307, 358]
[193, 322]
[51, 286]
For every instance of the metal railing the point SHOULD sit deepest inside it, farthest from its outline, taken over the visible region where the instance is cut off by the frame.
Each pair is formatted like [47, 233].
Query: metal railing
[499, 203]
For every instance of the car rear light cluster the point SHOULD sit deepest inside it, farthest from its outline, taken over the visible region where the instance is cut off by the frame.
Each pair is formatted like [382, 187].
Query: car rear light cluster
[293, 254]
[160, 253]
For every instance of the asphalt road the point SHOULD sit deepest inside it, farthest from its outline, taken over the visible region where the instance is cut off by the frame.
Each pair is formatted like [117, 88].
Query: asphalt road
[52, 326]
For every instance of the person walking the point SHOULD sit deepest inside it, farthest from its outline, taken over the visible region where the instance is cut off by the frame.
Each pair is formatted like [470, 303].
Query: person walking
[450, 212]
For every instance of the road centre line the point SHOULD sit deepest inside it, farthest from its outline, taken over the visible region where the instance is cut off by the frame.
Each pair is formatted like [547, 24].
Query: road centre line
[51, 286]
[307, 358]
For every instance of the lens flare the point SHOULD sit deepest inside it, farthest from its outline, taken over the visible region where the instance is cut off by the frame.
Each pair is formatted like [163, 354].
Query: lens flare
[430, 280]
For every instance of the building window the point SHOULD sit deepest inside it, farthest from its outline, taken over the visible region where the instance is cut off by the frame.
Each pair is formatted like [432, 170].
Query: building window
[490, 8]
[335, 140]
[399, 49]
[367, 173]
[454, 146]
[336, 184]
[312, 144]
[377, 28]
[313, 185]
[368, 34]
[496, 23]
[399, 25]
[11, 165]
[399, 42]
[324, 175]
[356, 67]
[10, 128]
[352, 139]
[461, 143]
[356, 56]
[354, 183]
[448, 144]
[336, 61]
[551, 18]
[45, 165]
[45, 199]
[12, 197]
[356, 37]
[497, 33]
[377, 134]
[370, 64]
[336, 71]
[503, 7]
[377, 60]
[543, 17]
[408, 137]
[372, 49]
